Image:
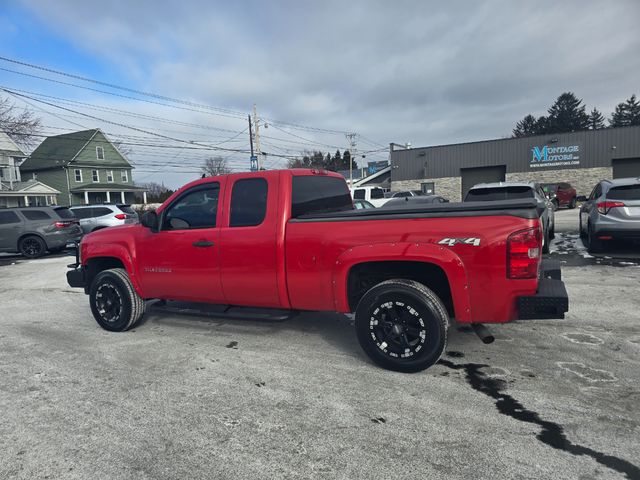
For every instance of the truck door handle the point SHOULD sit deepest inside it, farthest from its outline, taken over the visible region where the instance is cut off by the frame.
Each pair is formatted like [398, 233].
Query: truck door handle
[203, 244]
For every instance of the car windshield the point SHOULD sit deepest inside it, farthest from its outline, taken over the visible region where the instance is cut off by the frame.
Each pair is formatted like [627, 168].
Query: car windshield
[499, 193]
[549, 187]
[626, 192]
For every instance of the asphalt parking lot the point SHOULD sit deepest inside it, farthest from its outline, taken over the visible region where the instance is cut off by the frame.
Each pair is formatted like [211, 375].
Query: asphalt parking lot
[190, 397]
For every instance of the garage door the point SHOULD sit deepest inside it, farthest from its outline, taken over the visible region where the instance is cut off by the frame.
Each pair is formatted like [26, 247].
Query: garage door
[472, 176]
[626, 167]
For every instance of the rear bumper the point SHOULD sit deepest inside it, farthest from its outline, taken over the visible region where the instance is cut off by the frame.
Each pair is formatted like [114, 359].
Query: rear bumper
[551, 301]
[619, 234]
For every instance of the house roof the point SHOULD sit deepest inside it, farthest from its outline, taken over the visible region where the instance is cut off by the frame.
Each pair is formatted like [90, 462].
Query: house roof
[8, 145]
[61, 150]
[58, 150]
[30, 187]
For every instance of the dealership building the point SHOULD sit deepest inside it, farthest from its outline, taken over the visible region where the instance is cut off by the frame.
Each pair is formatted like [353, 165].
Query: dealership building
[580, 158]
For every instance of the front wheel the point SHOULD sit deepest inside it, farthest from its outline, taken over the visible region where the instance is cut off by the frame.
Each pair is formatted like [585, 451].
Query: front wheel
[573, 203]
[402, 325]
[114, 302]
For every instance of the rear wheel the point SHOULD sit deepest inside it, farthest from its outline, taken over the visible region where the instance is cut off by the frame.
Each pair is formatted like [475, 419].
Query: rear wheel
[594, 245]
[114, 303]
[402, 325]
[32, 246]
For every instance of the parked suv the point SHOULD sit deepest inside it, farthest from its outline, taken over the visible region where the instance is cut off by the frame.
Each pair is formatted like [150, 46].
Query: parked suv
[32, 231]
[611, 212]
[561, 194]
[95, 217]
[484, 192]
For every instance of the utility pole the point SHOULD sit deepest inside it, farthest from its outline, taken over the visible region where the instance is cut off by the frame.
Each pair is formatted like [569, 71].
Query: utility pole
[253, 165]
[256, 124]
[351, 138]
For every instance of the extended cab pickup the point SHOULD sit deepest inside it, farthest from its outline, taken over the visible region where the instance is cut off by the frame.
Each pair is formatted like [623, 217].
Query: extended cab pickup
[291, 240]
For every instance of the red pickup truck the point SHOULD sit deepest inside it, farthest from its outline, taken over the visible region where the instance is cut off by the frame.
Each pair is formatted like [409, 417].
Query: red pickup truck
[291, 240]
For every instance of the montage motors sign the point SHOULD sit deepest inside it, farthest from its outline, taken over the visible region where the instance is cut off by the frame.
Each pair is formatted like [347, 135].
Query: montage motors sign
[555, 156]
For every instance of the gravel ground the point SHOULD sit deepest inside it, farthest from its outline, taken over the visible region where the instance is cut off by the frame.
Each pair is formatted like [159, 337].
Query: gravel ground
[187, 397]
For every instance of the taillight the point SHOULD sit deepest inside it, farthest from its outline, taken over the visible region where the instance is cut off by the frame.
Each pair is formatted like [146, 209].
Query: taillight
[63, 224]
[523, 253]
[120, 216]
[604, 207]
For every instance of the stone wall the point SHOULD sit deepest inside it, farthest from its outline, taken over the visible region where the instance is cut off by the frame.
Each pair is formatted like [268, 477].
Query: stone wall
[582, 179]
[447, 187]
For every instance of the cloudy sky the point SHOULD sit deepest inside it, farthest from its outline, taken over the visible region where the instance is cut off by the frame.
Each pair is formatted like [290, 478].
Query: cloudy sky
[405, 71]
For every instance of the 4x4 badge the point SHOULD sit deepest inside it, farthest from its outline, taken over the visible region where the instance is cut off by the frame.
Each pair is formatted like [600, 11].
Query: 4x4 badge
[463, 241]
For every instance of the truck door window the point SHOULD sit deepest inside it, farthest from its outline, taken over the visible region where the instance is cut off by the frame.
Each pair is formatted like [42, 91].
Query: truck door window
[248, 202]
[196, 208]
[377, 193]
[359, 194]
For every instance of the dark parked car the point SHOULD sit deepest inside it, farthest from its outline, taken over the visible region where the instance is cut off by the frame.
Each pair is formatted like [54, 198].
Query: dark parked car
[414, 201]
[32, 231]
[612, 212]
[487, 192]
[561, 194]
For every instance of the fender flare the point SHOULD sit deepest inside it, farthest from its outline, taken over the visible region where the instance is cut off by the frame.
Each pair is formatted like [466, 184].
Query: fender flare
[119, 252]
[438, 255]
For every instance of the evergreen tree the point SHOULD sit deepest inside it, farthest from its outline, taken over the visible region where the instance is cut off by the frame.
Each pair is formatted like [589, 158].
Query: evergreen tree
[626, 113]
[542, 125]
[596, 120]
[567, 114]
[526, 127]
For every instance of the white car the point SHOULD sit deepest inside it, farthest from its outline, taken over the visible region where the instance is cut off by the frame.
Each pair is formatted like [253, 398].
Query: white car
[374, 195]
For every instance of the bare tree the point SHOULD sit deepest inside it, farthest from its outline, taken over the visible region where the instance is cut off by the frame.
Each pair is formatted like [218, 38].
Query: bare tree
[215, 166]
[21, 125]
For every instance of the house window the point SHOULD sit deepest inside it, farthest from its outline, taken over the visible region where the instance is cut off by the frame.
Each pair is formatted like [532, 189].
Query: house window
[125, 176]
[110, 176]
[78, 173]
[95, 176]
[100, 153]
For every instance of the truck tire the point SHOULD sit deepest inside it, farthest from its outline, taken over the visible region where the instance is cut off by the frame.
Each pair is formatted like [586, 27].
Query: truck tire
[402, 325]
[114, 302]
[32, 246]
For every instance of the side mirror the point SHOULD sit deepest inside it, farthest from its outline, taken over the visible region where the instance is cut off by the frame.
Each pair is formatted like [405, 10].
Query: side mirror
[581, 198]
[150, 220]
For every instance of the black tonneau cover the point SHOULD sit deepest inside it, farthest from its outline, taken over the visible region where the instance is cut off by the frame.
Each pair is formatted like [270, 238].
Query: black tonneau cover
[525, 208]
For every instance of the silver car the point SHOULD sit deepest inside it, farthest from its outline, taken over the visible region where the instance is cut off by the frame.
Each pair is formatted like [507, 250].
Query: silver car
[483, 192]
[611, 212]
[95, 217]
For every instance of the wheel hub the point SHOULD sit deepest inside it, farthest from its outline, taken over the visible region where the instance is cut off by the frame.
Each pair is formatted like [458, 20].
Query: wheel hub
[398, 329]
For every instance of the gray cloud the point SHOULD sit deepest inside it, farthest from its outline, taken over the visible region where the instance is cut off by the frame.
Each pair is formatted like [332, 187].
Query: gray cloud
[428, 72]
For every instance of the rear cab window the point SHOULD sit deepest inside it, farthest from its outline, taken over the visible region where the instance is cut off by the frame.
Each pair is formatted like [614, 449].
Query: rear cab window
[499, 193]
[319, 194]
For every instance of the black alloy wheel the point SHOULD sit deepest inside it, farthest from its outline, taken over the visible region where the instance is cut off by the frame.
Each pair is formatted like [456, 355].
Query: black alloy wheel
[402, 325]
[114, 302]
[32, 247]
